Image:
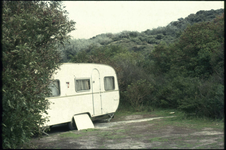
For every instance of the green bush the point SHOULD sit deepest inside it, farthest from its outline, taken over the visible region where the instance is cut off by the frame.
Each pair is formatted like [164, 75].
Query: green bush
[189, 73]
[151, 40]
[136, 93]
[191, 95]
[31, 31]
[207, 100]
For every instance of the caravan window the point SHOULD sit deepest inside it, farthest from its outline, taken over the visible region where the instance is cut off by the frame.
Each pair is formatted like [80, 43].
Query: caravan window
[55, 88]
[81, 85]
[109, 83]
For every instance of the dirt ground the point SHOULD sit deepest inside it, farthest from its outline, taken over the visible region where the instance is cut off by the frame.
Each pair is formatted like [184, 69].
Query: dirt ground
[132, 132]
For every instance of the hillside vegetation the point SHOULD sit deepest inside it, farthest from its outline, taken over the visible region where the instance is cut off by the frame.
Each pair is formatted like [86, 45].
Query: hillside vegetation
[178, 66]
[139, 41]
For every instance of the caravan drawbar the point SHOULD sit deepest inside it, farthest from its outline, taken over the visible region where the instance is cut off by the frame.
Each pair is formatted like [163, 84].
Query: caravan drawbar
[82, 88]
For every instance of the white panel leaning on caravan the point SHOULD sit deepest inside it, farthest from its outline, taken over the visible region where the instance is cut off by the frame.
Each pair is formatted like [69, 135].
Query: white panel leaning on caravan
[82, 88]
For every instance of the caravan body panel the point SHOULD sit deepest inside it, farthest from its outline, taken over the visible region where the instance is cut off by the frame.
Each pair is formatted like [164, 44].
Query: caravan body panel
[82, 88]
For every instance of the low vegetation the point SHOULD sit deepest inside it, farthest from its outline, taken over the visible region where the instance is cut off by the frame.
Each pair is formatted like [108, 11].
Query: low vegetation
[180, 119]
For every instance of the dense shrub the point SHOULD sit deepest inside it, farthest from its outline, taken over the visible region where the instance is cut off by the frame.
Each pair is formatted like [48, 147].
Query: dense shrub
[207, 100]
[191, 70]
[136, 92]
[31, 32]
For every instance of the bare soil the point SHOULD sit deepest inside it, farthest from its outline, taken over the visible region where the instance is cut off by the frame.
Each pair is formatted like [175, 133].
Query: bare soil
[130, 132]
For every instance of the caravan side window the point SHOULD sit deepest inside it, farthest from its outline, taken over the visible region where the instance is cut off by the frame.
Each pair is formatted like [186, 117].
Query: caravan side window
[109, 83]
[55, 88]
[81, 85]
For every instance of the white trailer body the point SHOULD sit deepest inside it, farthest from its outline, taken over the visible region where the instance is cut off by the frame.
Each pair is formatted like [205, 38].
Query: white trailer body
[82, 88]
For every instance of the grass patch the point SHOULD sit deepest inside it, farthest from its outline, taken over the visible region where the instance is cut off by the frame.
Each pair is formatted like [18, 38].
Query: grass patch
[78, 134]
[195, 123]
[188, 145]
[121, 131]
[165, 112]
[179, 142]
[125, 110]
[215, 146]
[180, 119]
[112, 135]
[102, 147]
[89, 130]
[138, 135]
[155, 112]
[121, 113]
[158, 139]
[105, 133]
[116, 136]
[201, 147]
[71, 135]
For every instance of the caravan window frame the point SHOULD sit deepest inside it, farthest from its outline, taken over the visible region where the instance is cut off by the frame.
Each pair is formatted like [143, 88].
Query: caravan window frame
[105, 88]
[82, 79]
[59, 91]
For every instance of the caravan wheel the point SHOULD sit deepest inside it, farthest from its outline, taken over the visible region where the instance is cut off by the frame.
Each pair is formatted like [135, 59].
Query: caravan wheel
[72, 125]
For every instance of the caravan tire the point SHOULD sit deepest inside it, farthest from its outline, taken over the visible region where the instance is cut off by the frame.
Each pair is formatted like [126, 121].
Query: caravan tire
[72, 125]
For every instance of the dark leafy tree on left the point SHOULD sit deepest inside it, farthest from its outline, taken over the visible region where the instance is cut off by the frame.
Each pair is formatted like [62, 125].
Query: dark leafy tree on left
[31, 33]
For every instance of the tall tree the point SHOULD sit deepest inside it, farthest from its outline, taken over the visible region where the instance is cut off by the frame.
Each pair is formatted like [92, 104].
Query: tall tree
[31, 32]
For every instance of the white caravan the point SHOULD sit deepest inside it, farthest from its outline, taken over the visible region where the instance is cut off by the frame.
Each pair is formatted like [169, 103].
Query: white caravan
[82, 89]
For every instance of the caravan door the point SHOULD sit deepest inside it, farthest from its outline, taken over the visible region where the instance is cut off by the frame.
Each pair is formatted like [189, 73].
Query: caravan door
[96, 93]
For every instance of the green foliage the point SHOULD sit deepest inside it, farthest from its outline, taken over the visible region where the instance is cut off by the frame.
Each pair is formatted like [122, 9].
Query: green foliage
[207, 100]
[217, 63]
[31, 32]
[171, 91]
[189, 73]
[160, 58]
[136, 93]
[97, 54]
[198, 43]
